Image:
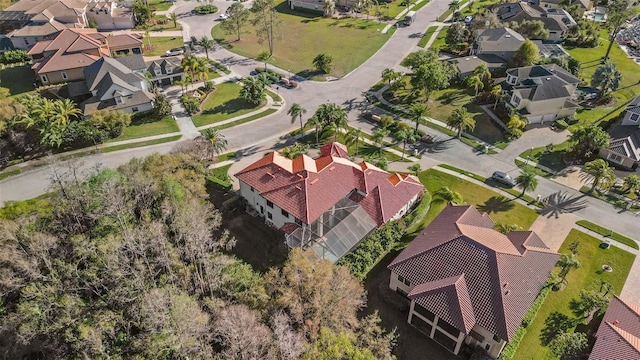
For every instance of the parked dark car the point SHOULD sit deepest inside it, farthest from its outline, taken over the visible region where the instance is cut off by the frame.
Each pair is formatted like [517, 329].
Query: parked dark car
[503, 178]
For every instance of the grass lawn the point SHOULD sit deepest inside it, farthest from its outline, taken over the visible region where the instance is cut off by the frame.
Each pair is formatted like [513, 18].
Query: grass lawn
[609, 233]
[222, 104]
[427, 36]
[141, 144]
[588, 277]
[499, 208]
[8, 173]
[304, 36]
[148, 127]
[159, 5]
[247, 119]
[17, 79]
[160, 44]
[552, 160]
[440, 41]
[365, 151]
[162, 22]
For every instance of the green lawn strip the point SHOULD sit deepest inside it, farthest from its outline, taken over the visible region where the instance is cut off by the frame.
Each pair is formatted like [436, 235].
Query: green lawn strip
[608, 233]
[159, 5]
[305, 35]
[439, 42]
[247, 119]
[226, 156]
[144, 128]
[619, 203]
[553, 159]
[222, 104]
[499, 208]
[141, 144]
[17, 79]
[7, 173]
[274, 96]
[524, 166]
[160, 44]
[587, 276]
[219, 176]
[427, 36]
[365, 151]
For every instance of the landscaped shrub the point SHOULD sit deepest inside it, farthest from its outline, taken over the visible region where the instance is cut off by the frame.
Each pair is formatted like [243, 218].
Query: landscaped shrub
[205, 9]
[561, 124]
[191, 104]
[219, 66]
[14, 56]
[209, 86]
[373, 248]
[386, 121]
[82, 134]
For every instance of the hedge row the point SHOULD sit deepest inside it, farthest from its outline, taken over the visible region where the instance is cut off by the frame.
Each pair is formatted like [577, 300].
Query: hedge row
[361, 260]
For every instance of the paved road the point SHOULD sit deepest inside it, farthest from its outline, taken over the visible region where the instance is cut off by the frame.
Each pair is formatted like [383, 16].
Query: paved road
[261, 135]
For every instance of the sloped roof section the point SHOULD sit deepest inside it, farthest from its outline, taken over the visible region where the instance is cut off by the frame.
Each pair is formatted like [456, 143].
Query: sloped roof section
[619, 334]
[503, 274]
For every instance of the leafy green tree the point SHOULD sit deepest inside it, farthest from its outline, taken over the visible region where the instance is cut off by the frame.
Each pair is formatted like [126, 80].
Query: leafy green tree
[391, 76]
[448, 195]
[416, 59]
[323, 63]
[378, 137]
[14, 57]
[457, 34]
[527, 54]
[461, 120]
[253, 90]
[417, 112]
[632, 183]
[454, 5]
[587, 140]
[618, 11]
[569, 345]
[111, 121]
[483, 72]
[590, 301]
[531, 29]
[296, 111]
[495, 92]
[566, 263]
[431, 76]
[330, 113]
[141, 12]
[267, 22]
[526, 181]
[606, 78]
[601, 173]
[162, 105]
[318, 125]
[331, 346]
[416, 168]
[238, 18]
[516, 125]
[207, 44]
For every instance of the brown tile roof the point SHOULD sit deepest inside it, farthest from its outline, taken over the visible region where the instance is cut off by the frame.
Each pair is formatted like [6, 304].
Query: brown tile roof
[503, 274]
[306, 187]
[449, 298]
[124, 40]
[619, 334]
[69, 51]
[335, 149]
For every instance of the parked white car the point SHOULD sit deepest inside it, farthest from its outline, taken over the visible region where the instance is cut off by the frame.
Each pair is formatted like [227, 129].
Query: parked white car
[175, 51]
[223, 17]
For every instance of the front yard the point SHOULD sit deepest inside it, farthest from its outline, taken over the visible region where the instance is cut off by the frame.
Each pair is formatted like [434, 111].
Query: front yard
[557, 309]
[304, 35]
[222, 104]
[160, 44]
[148, 127]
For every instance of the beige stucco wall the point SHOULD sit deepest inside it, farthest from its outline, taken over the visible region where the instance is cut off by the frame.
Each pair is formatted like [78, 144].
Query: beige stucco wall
[55, 77]
[495, 347]
[18, 41]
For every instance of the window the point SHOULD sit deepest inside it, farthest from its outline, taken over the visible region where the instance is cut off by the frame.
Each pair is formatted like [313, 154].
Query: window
[269, 216]
[403, 280]
[515, 100]
[64, 75]
[450, 329]
[44, 79]
[26, 41]
[487, 347]
[269, 204]
[118, 99]
[424, 312]
[496, 338]
[284, 213]
[474, 334]
[169, 70]
[614, 157]
[157, 72]
[634, 117]
[134, 109]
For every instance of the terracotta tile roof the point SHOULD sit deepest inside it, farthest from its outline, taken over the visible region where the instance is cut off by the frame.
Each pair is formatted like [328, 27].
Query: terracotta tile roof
[68, 49]
[449, 298]
[619, 334]
[502, 276]
[289, 227]
[124, 40]
[335, 149]
[306, 187]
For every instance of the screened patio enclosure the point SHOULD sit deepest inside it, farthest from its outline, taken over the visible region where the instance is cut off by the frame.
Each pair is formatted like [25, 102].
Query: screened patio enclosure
[335, 232]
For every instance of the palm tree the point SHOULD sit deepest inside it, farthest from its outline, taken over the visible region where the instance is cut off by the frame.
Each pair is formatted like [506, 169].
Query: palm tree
[416, 168]
[405, 135]
[378, 137]
[632, 182]
[190, 65]
[252, 90]
[217, 142]
[332, 113]
[461, 120]
[606, 77]
[353, 137]
[263, 57]
[475, 82]
[601, 172]
[328, 8]
[201, 70]
[566, 263]
[296, 111]
[482, 71]
[365, 5]
[505, 228]
[454, 5]
[174, 18]
[389, 75]
[63, 111]
[527, 181]
[318, 124]
[446, 194]
[417, 112]
[183, 83]
[207, 44]
[496, 91]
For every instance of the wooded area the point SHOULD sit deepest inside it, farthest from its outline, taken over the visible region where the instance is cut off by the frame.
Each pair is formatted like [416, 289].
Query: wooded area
[133, 263]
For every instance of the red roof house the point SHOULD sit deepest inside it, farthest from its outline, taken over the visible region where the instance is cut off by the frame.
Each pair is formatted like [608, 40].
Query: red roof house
[329, 203]
[619, 334]
[469, 283]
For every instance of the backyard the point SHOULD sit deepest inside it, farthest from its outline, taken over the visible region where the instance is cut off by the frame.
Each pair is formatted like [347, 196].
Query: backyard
[17, 79]
[159, 5]
[160, 44]
[305, 35]
[556, 310]
[148, 127]
[222, 104]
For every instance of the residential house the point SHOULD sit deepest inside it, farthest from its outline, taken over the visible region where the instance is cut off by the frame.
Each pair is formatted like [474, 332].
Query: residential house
[501, 42]
[64, 58]
[110, 15]
[318, 5]
[114, 86]
[557, 21]
[165, 71]
[624, 146]
[618, 336]
[467, 64]
[124, 44]
[469, 284]
[328, 203]
[540, 92]
[585, 5]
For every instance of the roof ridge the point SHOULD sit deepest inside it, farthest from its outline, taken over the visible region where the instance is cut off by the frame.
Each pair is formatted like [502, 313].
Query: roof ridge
[626, 336]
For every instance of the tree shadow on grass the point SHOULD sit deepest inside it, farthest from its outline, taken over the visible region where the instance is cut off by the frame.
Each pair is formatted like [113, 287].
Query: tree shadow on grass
[229, 107]
[555, 324]
[308, 73]
[451, 97]
[496, 204]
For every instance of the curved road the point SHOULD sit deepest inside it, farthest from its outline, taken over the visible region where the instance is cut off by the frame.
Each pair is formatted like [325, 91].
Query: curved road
[260, 135]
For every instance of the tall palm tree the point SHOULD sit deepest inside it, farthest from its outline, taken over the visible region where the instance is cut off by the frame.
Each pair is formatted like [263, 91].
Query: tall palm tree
[64, 111]
[296, 111]
[446, 194]
[365, 5]
[378, 137]
[527, 181]
[174, 19]
[482, 71]
[496, 91]
[566, 263]
[353, 137]
[606, 77]
[405, 135]
[417, 112]
[505, 228]
[216, 141]
[207, 44]
[454, 5]
[461, 120]
[475, 82]
[190, 65]
[318, 124]
[601, 172]
[389, 75]
[264, 57]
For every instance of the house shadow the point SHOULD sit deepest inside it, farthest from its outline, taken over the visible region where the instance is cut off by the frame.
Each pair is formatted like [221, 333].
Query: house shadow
[496, 204]
[228, 107]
